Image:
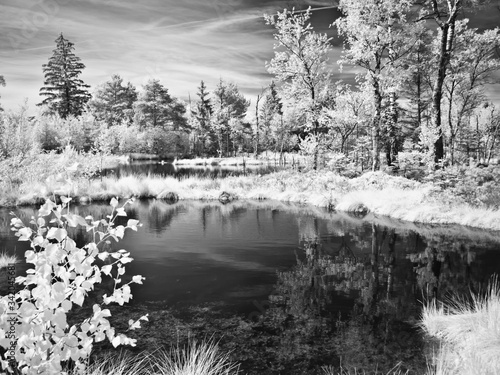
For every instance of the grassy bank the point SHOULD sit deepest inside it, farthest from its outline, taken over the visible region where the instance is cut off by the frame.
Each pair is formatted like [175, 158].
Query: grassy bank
[468, 334]
[263, 159]
[377, 193]
[18, 175]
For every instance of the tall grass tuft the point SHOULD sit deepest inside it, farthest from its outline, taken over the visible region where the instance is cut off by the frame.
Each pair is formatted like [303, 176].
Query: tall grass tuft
[121, 364]
[196, 359]
[468, 334]
[6, 259]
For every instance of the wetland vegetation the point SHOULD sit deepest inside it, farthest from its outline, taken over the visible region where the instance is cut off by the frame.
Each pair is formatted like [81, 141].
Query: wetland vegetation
[376, 204]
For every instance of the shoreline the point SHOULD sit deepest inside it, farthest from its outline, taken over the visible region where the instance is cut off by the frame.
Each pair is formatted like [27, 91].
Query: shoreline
[374, 192]
[262, 160]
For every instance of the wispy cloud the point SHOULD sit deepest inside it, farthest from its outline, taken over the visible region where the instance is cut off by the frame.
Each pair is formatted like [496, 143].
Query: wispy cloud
[178, 42]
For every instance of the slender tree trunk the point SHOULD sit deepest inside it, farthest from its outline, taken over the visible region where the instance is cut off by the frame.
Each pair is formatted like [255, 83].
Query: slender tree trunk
[446, 45]
[391, 142]
[376, 127]
[492, 144]
[316, 146]
[256, 148]
[419, 96]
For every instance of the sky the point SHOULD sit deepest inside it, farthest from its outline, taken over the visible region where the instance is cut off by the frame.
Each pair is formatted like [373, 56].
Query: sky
[179, 42]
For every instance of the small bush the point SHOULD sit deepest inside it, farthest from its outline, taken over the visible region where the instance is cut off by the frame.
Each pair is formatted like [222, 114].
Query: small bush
[474, 185]
[33, 322]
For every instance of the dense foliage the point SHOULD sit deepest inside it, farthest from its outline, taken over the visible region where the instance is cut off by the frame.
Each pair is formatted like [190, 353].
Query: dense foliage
[418, 103]
[41, 340]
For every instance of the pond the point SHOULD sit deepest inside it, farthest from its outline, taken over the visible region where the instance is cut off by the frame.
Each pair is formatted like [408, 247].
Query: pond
[287, 288]
[178, 171]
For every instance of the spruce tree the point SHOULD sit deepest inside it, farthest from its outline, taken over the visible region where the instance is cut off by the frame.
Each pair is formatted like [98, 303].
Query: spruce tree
[156, 108]
[113, 101]
[271, 113]
[65, 93]
[203, 113]
[204, 106]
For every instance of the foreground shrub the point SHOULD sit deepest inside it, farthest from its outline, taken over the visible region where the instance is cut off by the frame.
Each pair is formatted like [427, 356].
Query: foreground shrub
[33, 321]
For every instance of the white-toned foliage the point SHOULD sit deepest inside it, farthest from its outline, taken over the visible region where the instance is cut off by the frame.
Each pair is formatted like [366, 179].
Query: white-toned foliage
[63, 274]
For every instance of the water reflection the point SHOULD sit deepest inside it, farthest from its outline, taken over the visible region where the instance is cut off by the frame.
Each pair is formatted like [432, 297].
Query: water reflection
[144, 168]
[292, 288]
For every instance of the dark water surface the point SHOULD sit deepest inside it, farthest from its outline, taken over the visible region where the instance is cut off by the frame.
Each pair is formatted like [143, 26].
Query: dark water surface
[168, 169]
[288, 288]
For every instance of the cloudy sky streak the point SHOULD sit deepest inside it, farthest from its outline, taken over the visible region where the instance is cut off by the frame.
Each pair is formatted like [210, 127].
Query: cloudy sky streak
[178, 42]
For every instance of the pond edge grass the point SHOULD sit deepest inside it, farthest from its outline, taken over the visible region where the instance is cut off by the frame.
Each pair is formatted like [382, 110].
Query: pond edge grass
[374, 192]
[468, 333]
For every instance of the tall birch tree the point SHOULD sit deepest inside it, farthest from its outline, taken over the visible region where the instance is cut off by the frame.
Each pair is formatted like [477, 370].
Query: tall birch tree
[475, 61]
[446, 14]
[300, 63]
[377, 37]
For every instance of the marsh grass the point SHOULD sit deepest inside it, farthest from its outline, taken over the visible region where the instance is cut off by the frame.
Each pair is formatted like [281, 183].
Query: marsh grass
[121, 363]
[373, 192]
[468, 333]
[196, 359]
[266, 158]
[6, 259]
[202, 358]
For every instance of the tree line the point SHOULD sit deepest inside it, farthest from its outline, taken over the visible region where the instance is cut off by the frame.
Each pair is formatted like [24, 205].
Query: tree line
[420, 95]
[421, 75]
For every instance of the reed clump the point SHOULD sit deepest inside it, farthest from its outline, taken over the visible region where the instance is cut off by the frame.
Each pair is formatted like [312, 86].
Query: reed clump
[468, 333]
[197, 358]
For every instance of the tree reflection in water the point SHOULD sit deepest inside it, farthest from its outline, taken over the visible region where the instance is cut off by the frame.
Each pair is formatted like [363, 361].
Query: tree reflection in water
[351, 297]
[359, 309]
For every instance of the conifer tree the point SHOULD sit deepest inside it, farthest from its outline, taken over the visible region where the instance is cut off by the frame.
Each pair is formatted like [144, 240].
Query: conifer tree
[271, 114]
[156, 108]
[113, 101]
[66, 94]
[203, 113]
[230, 107]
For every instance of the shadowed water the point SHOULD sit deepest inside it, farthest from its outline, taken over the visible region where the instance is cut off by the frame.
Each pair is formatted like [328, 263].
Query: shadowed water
[291, 288]
[157, 168]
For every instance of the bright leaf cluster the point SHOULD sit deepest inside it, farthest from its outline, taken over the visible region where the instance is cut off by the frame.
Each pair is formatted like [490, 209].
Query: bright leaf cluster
[62, 275]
